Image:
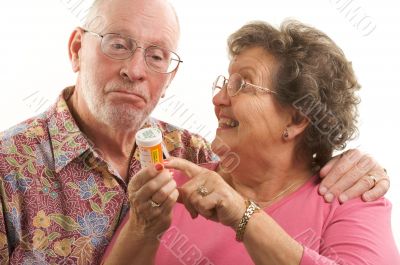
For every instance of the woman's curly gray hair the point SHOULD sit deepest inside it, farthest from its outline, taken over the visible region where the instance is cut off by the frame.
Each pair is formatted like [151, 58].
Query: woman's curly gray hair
[313, 76]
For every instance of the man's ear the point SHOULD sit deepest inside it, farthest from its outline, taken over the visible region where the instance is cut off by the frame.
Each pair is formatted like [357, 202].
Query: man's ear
[74, 47]
[171, 77]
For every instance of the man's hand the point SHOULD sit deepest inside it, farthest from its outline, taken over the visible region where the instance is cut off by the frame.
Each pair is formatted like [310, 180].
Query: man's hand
[152, 195]
[353, 174]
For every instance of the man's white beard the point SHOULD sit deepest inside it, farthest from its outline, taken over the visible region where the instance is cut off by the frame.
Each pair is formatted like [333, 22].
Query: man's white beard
[120, 117]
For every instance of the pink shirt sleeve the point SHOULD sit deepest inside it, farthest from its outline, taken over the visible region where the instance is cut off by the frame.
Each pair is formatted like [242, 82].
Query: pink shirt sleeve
[358, 233]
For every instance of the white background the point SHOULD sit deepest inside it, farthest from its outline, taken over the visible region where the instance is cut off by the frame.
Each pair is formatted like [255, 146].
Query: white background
[34, 64]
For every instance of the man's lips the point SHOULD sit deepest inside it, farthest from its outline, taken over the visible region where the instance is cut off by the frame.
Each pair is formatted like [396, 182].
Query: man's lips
[130, 94]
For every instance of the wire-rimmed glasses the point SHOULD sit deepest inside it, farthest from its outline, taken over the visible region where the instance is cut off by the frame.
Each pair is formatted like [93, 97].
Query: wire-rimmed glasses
[234, 85]
[120, 47]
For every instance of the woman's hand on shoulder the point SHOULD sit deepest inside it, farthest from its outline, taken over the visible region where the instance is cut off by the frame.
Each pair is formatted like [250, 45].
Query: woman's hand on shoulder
[353, 174]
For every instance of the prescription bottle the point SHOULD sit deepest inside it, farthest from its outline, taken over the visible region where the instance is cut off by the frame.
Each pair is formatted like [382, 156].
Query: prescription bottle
[149, 142]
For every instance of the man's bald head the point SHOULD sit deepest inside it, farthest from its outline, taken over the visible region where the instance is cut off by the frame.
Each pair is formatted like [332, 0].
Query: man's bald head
[95, 17]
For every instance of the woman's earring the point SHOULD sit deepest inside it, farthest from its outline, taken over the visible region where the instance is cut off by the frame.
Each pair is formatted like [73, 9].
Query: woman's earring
[285, 134]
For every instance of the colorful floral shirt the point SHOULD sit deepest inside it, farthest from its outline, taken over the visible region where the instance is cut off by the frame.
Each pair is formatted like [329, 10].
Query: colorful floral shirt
[60, 202]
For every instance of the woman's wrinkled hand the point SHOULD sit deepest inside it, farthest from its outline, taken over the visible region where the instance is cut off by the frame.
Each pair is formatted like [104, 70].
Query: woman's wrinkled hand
[208, 194]
[353, 174]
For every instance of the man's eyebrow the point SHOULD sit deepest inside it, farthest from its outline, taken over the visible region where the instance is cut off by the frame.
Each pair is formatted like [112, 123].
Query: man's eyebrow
[124, 33]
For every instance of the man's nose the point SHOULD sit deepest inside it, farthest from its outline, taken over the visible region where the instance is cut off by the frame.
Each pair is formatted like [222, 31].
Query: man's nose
[135, 67]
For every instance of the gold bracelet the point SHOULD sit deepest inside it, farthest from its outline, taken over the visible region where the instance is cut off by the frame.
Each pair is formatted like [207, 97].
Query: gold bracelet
[252, 207]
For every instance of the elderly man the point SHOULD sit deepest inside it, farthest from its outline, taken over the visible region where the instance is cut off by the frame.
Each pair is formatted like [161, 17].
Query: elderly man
[64, 173]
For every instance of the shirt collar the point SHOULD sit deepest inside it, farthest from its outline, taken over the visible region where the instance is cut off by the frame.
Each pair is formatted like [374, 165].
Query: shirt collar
[67, 140]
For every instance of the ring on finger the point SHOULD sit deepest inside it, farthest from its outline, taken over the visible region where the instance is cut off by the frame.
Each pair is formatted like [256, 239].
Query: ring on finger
[202, 190]
[154, 204]
[373, 179]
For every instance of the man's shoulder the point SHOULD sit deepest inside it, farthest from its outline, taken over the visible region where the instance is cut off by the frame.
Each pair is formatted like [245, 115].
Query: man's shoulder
[33, 127]
[183, 143]
[22, 137]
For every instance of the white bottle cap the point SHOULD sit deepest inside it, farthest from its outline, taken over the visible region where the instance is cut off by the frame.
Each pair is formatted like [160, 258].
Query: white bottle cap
[148, 137]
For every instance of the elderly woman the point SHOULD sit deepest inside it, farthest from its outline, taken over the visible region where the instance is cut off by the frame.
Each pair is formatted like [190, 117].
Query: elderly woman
[289, 102]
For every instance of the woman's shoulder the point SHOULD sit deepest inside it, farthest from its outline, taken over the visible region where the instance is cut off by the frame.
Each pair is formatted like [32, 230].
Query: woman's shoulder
[308, 200]
[359, 211]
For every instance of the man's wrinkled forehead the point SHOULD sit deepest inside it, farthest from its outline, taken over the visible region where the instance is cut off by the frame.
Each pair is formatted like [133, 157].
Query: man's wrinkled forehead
[134, 17]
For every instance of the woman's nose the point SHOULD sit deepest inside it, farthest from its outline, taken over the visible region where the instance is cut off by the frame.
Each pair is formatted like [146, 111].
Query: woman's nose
[222, 97]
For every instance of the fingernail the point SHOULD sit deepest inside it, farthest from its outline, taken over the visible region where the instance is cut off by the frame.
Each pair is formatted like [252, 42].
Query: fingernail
[366, 197]
[343, 198]
[364, 163]
[159, 166]
[165, 162]
[170, 176]
[329, 197]
[322, 190]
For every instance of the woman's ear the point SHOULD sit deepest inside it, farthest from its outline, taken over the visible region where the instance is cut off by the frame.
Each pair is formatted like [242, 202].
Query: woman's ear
[297, 126]
[74, 47]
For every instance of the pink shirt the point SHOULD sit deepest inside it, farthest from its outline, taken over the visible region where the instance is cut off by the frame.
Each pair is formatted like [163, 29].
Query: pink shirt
[352, 233]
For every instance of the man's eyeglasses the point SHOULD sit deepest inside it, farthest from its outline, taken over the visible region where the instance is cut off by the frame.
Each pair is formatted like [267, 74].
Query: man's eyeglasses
[234, 85]
[119, 47]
